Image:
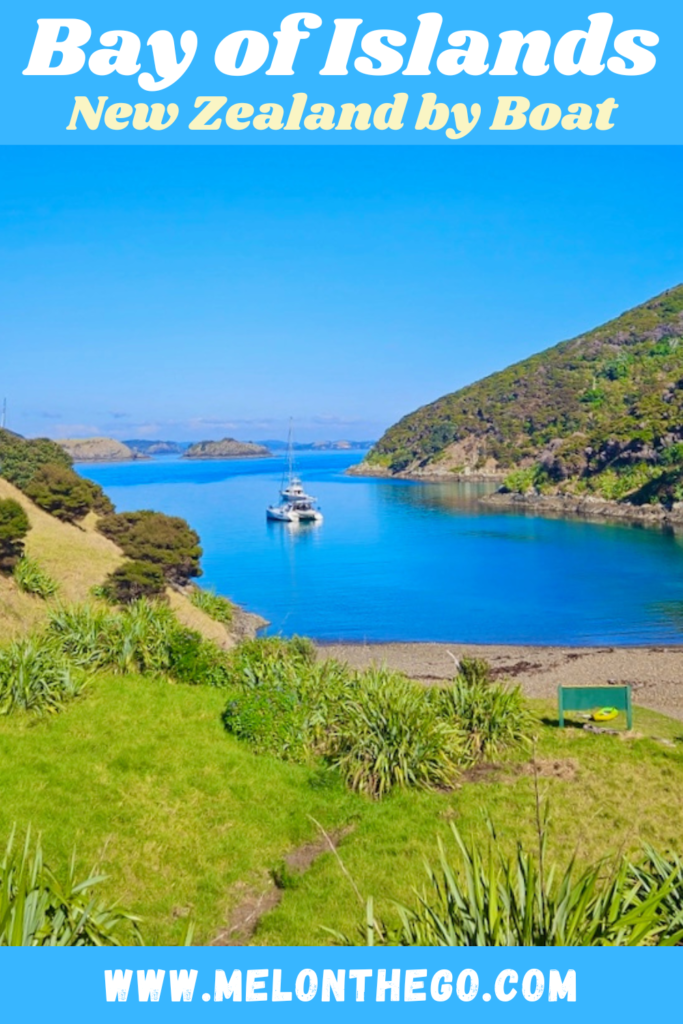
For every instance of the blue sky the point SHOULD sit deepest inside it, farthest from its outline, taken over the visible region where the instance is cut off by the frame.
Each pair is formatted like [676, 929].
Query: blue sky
[197, 293]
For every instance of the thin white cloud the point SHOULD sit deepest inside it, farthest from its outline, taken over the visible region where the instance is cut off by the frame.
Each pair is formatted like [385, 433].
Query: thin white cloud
[77, 430]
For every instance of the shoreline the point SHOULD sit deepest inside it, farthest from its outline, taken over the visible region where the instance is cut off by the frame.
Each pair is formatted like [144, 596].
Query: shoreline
[655, 672]
[569, 506]
[588, 508]
[434, 477]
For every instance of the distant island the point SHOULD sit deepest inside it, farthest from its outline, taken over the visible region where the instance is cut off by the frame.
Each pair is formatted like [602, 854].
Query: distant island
[98, 449]
[143, 447]
[228, 448]
[108, 449]
[322, 446]
[595, 419]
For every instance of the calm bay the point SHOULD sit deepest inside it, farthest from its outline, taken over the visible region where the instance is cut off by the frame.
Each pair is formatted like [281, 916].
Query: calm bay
[403, 560]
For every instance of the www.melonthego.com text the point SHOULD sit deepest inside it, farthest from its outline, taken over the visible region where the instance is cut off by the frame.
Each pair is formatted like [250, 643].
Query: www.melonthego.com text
[359, 985]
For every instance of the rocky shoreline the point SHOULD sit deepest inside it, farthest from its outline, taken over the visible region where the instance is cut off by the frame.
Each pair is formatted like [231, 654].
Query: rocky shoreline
[432, 475]
[588, 508]
[557, 505]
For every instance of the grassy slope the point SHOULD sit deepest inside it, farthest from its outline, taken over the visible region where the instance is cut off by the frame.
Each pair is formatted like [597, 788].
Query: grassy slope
[78, 558]
[612, 397]
[141, 773]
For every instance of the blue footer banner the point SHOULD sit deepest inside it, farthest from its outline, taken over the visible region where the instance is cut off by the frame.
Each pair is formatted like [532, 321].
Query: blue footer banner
[415, 421]
[285, 984]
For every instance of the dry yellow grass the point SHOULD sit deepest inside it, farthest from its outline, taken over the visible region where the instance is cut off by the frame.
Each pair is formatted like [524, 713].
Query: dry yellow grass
[77, 557]
[195, 618]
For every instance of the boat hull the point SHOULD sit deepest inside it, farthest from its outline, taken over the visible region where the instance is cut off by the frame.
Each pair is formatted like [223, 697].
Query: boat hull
[285, 515]
[280, 515]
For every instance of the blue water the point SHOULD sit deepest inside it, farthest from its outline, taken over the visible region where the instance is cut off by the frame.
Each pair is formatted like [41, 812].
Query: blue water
[397, 560]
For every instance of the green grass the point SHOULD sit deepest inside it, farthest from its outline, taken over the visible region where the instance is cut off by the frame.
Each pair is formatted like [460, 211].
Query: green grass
[32, 578]
[141, 776]
[215, 606]
[624, 792]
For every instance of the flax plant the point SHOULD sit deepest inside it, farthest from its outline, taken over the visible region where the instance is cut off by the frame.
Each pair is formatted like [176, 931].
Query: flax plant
[36, 909]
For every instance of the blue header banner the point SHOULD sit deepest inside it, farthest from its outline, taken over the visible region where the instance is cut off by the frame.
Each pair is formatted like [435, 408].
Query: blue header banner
[339, 73]
[390, 984]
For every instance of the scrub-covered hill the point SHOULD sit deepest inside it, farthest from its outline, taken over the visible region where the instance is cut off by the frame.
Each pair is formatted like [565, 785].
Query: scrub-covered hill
[228, 448]
[76, 557]
[98, 449]
[601, 414]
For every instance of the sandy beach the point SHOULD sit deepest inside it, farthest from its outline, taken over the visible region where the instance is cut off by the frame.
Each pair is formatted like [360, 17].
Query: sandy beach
[655, 673]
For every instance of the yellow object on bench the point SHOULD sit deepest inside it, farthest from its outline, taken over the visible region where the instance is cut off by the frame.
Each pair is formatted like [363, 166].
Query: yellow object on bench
[587, 698]
[605, 715]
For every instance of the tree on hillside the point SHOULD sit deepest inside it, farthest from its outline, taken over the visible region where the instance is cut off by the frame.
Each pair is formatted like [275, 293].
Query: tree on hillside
[99, 501]
[14, 526]
[165, 541]
[134, 580]
[20, 458]
[44, 471]
[60, 491]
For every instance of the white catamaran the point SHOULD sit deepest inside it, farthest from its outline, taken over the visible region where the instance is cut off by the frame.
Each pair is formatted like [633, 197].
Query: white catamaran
[296, 506]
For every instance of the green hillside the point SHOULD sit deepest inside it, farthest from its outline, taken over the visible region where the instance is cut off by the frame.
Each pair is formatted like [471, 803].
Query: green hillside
[601, 413]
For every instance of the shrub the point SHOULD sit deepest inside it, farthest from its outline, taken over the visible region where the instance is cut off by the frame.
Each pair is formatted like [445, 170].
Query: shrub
[378, 728]
[196, 661]
[522, 900]
[272, 721]
[389, 734]
[492, 717]
[624, 481]
[144, 637]
[21, 458]
[165, 541]
[37, 909]
[672, 455]
[85, 634]
[653, 871]
[302, 648]
[34, 676]
[283, 703]
[143, 634]
[134, 640]
[33, 579]
[131, 581]
[262, 660]
[14, 526]
[60, 491]
[521, 481]
[271, 707]
[99, 501]
[593, 396]
[215, 606]
[618, 368]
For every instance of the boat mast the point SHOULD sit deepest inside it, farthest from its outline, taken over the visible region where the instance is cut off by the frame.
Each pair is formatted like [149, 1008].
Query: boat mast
[287, 471]
[290, 452]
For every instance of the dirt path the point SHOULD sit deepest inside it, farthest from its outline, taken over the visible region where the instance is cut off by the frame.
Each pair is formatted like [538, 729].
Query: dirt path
[655, 673]
[254, 902]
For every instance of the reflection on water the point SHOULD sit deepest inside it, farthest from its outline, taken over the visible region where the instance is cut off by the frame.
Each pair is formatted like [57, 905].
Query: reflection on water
[297, 532]
[430, 496]
[498, 534]
[670, 612]
[398, 560]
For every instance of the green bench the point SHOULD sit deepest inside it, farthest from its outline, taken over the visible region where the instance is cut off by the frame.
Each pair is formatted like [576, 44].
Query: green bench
[589, 698]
